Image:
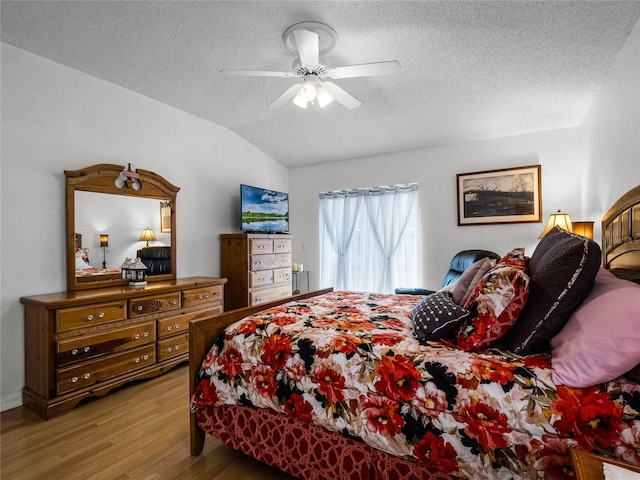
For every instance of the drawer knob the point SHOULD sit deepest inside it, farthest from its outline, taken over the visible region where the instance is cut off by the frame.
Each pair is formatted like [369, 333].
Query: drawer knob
[176, 326]
[86, 349]
[136, 360]
[145, 357]
[174, 302]
[74, 351]
[90, 317]
[145, 334]
[86, 376]
[74, 379]
[101, 315]
[169, 349]
[177, 347]
[169, 328]
[136, 336]
[139, 308]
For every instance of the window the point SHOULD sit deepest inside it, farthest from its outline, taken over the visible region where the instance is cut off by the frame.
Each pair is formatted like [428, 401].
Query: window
[370, 238]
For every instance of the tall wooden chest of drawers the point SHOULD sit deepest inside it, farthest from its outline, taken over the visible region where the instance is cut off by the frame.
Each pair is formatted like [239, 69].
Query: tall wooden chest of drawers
[258, 267]
[85, 343]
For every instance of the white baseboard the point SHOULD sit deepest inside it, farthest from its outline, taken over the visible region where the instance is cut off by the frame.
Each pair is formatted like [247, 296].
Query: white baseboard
[10, 401]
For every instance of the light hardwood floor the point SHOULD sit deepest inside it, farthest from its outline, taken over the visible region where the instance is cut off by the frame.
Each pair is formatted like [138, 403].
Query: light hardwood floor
[140, 431]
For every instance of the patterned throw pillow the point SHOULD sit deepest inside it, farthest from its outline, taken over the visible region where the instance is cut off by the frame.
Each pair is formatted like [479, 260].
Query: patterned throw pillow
[496, 302]
[437, 317]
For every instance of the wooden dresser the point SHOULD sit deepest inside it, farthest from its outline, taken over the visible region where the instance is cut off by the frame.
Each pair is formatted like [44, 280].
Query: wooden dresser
[85, 343]
[258, 267]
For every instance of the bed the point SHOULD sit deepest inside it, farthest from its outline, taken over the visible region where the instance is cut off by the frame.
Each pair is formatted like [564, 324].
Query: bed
[356, 385]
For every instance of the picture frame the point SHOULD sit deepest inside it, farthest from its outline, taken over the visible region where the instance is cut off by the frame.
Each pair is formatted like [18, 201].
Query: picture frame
[507, 195]
[165, 217]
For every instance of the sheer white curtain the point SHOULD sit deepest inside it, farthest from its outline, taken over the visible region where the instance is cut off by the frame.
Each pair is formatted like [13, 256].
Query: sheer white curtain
[370, 238]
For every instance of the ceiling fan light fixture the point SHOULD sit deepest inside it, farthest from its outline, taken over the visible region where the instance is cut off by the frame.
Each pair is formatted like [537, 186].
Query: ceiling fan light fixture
[299, 100]
[324, 97]
[308, 91]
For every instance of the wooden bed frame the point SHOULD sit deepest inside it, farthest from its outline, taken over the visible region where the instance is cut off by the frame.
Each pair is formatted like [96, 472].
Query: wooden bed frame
[621, 250]
[621, 232]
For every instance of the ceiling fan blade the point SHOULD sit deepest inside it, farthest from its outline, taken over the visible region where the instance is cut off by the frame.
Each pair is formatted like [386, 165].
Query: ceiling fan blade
[286, 97]
[308, 47]
[365, 70]
[258, 73]
[341, 96]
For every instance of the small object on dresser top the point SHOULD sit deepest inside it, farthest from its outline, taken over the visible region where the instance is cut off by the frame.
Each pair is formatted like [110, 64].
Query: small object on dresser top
[138, 273]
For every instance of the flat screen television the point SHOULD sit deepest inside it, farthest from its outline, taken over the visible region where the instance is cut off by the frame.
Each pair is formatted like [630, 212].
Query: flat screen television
[263, 210]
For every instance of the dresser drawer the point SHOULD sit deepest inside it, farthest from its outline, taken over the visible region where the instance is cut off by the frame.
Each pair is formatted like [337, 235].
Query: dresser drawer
[282, 275]
[180, 323]
[79, 317]
[154, 304]
[284, 259]
[260, 278]
[270, 294]
[94, 371]
[196, 296]
[91, 346]
[260, 245]
[282, 245]
[173, 325]
[264, 262]
[172, 347]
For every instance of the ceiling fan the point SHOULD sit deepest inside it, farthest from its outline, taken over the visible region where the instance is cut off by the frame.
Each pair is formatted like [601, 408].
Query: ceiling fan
[309, 40]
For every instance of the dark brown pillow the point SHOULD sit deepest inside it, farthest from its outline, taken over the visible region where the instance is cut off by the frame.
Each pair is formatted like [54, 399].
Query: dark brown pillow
[562, 271]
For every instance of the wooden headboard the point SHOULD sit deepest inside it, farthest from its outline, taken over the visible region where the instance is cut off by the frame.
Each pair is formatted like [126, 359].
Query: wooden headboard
[621, 233]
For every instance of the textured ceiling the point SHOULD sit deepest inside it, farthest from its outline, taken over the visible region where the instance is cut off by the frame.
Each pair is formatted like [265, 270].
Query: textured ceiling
[470, 70]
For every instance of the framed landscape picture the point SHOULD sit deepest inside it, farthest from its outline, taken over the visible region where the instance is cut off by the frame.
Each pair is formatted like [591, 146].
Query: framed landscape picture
[508, 195]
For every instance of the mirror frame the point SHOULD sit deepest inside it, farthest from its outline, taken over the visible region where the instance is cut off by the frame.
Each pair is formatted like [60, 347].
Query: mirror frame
[101, 178]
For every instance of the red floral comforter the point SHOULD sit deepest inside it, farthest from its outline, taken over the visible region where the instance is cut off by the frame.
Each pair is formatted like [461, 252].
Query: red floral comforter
[348, 361]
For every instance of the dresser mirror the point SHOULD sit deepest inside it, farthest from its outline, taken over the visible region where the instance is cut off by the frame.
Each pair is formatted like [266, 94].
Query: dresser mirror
[108, 209]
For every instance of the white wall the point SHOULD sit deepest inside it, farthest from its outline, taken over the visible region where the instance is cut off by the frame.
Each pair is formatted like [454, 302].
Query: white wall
[584, 170]
[559, 152]
[56, 118]
[612, 128]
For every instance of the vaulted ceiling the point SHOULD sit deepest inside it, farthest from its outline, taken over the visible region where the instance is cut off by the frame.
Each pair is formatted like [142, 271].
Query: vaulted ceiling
[470, 69]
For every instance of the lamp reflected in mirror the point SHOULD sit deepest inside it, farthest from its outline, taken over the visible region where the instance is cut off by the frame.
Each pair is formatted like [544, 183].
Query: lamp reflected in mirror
[147, 236]
[104, 243]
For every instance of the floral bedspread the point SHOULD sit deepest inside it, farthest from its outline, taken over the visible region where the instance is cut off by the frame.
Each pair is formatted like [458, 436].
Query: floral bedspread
[349, 361]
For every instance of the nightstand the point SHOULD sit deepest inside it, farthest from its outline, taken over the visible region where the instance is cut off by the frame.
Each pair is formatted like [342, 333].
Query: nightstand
[588, 466]
[297, 279]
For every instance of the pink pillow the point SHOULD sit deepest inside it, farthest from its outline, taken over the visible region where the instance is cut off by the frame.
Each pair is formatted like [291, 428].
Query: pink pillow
[601, 340]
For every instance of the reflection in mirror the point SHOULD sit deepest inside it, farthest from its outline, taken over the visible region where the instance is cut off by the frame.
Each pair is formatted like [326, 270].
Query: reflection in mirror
[123, 218]
[99, 203]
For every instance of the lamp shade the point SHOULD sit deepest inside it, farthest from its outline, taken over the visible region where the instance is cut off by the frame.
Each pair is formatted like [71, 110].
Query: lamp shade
[104, 240]
[557, 219]
[583, 228]
[147, 236]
